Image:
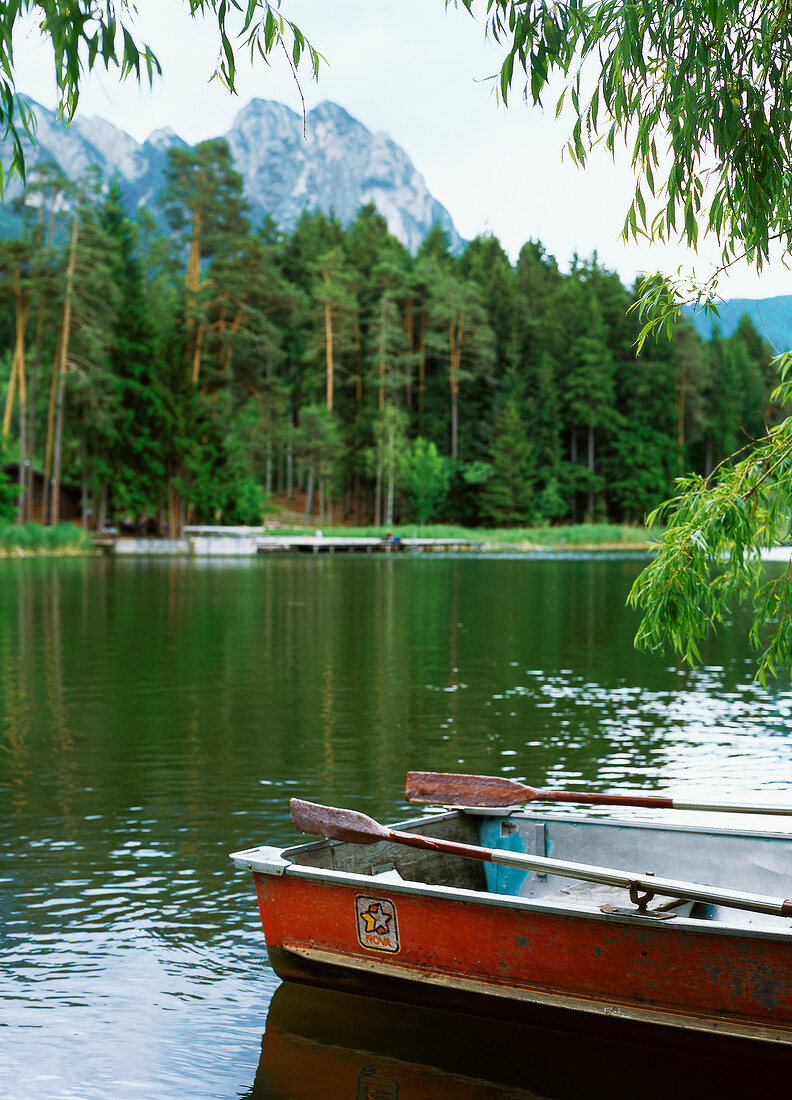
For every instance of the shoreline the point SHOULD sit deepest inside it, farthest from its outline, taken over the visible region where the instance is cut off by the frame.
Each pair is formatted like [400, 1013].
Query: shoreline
[224, 546]
[32, 540]
[158, 548]
[566, 548]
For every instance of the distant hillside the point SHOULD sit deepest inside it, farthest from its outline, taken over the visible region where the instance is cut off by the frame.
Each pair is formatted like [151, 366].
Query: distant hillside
[337, 166]
[772, 319]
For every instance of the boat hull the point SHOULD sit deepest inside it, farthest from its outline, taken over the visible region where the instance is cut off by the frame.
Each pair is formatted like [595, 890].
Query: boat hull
[435, 944]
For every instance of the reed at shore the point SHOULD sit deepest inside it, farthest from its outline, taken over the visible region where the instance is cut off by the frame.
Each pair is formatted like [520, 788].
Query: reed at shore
[33, 538]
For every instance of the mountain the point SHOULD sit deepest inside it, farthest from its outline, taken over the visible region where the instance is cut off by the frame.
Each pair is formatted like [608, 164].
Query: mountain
[771, 317]
[336, 166]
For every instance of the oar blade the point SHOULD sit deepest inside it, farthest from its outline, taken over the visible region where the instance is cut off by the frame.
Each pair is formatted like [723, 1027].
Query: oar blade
[451, 789]
[336, 824]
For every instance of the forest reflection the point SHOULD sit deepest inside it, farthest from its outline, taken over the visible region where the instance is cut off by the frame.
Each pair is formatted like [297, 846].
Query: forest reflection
[350, 673]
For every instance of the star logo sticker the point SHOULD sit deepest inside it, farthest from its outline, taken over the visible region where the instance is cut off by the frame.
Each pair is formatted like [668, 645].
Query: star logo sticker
[376, 919]
[377, 923]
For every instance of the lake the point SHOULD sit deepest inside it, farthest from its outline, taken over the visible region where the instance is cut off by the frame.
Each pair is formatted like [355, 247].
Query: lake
[157, 715]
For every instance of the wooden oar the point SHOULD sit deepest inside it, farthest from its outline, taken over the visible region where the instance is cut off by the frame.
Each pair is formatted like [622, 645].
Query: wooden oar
[358, 828]
[448, 789]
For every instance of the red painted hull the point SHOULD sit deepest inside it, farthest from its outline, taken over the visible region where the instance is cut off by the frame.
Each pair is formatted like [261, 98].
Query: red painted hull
[706, 979]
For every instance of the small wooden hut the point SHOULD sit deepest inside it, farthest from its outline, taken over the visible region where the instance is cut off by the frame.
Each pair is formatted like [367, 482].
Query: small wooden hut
[69, 506]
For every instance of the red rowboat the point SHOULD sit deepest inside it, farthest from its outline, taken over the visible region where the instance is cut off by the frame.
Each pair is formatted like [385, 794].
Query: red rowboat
[700, 938]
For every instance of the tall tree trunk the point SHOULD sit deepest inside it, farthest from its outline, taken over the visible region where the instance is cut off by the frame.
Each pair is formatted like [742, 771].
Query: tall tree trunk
[174, 503]
[454, 422]
[378, 492]
[328, 317]
[22, 310]
[84, 493]
[196, 363]
[57, 453]
[34, 374]
[269, 475]
[220, 327]
[47, 487]
[290, 473]
[193, 276]
[176, 507]
[455, 336]
[573, 460]
[101, 515]
[23, 452]
[358, 379]
[192, 281]
[591, 471]
[234, 328]
[421, 381]
[193, 350]
[382, 364]
[309, 492]
[24, 463]
[409, 331]
[389, 498]
[9, 405]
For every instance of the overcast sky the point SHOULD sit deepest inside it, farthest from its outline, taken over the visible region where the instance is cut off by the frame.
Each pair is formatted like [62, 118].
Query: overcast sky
[421, 74]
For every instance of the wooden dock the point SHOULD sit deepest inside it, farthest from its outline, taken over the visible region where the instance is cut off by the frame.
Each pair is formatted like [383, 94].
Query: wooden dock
[228, 542]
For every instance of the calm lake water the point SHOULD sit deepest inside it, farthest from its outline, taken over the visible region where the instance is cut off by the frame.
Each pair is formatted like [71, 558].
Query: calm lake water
[155, 716]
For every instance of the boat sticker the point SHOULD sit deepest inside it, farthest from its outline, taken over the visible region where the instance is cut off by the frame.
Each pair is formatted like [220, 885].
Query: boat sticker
[377, 927]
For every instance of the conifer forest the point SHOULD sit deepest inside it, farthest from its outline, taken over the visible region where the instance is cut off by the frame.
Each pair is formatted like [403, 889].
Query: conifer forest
[178, 364]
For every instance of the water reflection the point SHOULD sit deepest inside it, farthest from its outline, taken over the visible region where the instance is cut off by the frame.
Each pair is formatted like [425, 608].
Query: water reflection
[328, 1044]
[156, 715]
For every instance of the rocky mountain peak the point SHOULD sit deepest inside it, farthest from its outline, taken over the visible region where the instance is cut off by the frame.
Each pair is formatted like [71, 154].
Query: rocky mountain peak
[327, 111]
[164, 138]
[330, 162]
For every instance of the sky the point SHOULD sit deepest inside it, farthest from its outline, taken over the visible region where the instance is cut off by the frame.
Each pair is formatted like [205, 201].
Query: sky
[423, 75]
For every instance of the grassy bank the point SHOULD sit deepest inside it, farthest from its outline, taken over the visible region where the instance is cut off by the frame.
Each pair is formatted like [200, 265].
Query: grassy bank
[579, 536]
[66, 538]
[32, 538]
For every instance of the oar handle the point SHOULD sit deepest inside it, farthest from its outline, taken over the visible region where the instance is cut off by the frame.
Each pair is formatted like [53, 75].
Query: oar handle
[652, 802]
[446, 847]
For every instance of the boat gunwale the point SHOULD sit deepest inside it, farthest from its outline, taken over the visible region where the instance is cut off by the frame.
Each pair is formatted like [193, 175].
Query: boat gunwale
[277, 861]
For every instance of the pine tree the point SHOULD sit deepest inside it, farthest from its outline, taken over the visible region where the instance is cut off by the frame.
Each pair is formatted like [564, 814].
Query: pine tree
[428, 477]
[459, 335]
[590, 393]
[508, 493]
[137, 460]
[16, 263]
[203, 202]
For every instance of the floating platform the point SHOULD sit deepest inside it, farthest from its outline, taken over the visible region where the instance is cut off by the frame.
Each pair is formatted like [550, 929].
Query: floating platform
[227, 542]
